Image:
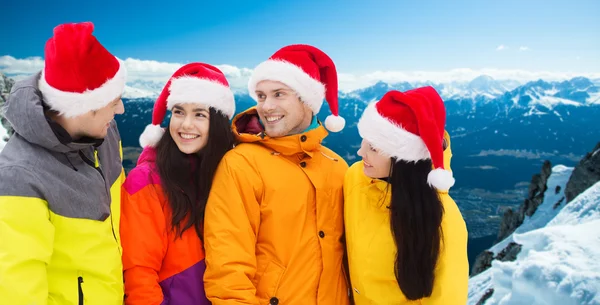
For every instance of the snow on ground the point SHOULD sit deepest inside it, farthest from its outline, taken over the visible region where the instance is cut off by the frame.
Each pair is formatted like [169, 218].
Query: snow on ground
[558, 264]
[545, 212]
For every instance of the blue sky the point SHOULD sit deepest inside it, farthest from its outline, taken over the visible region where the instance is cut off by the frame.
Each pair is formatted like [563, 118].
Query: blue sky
[560, 36]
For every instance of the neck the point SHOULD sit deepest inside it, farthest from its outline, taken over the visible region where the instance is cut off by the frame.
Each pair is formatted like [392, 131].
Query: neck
[307, 124]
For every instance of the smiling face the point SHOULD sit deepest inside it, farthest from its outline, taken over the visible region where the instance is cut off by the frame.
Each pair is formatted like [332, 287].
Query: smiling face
[189, 127]
[280, 109]
[376, 165]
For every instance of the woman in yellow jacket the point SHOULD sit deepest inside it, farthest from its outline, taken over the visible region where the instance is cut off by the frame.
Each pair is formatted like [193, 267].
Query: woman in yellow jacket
[406, 238]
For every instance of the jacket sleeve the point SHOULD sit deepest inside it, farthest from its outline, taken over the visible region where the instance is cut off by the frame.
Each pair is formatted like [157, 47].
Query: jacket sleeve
[231, 224]
[26, 238]
[143, 236]
[452, 272]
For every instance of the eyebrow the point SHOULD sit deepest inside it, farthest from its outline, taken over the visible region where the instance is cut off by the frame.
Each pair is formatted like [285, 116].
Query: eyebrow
[274, 90]
[200, 110]
[194, 110]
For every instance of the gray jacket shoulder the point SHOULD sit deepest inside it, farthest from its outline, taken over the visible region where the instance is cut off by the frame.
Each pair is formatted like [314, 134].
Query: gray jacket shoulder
[20, 179]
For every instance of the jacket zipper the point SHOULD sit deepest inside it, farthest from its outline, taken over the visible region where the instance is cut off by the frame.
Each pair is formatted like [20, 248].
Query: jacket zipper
[80, 290]
[99, 169]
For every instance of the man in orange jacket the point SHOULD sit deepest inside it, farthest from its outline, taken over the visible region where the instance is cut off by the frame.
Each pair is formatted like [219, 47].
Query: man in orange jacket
[274, 220]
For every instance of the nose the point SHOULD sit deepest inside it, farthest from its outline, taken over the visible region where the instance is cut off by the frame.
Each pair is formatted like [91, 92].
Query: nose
[120, 109]
[188, 122]
[268, 104]
[361, 151]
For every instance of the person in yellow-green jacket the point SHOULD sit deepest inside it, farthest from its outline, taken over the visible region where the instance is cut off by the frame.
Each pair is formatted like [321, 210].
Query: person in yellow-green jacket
[61, 177]
[406, 238]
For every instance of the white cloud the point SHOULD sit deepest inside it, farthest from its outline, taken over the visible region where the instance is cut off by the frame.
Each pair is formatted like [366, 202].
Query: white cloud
[11, 65]
[137, 70]
[524, 48]
[159, 72]
[501, 47]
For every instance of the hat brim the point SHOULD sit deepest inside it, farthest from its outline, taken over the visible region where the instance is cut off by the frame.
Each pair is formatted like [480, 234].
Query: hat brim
[311, 91]
[189, 89]
[389, 138]
[71, 104]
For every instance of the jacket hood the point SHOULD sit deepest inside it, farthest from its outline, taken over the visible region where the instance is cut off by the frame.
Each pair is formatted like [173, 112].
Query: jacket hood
[26, 113]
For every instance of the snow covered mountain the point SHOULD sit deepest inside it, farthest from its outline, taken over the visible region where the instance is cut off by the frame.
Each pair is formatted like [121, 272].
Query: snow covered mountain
[487, 96]
[553, 257]
[3, 137]
[5, 86]
[137, 93]
[482, 87]
[546, 96]
[143, 89]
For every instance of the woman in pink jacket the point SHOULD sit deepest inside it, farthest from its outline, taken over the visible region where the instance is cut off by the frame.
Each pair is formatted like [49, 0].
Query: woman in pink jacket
[165, 194]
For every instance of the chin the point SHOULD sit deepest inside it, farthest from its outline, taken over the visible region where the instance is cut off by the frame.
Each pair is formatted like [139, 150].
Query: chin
[98, 136]
[187, 149]
[275, 132]
[367, 172]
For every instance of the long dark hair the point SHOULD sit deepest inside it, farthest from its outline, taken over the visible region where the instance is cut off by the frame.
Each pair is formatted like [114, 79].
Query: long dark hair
[186, 179]
[416, 216]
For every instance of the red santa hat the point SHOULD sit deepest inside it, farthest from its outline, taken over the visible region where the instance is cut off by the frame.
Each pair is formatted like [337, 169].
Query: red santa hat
[309, 72]
[194, 83]
[409, 126]
[79, 74]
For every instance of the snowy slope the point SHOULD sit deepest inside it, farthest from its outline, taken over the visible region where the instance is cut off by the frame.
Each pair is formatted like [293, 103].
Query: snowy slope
[559, 262]
[594, 98]
[550, 101]
[545, 212]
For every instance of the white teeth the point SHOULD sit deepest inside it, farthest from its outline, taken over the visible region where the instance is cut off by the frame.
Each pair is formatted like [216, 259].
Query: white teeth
[188, 136]
[273, 118]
